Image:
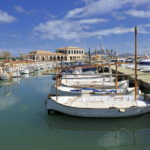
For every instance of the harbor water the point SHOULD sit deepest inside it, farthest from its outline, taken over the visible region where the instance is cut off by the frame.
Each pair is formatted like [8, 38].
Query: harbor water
[25, 124]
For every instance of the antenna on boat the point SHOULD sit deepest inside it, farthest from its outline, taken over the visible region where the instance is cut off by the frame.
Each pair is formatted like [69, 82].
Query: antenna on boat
[135, 58]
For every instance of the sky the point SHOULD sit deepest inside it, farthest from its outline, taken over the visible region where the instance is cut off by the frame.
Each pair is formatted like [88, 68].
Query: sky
[27, 25]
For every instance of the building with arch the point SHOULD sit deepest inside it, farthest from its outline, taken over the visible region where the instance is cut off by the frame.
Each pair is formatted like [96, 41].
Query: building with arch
[73, 53]
[66, 54]
[46, 55]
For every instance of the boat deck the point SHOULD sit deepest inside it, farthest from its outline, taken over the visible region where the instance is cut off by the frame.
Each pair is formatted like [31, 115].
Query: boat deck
[96, 102]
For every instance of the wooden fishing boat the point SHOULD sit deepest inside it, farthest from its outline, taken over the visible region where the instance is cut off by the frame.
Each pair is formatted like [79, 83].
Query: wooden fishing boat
[90, 79]
[64, 90]
[99, 106]
[84, 76]
[96, 84]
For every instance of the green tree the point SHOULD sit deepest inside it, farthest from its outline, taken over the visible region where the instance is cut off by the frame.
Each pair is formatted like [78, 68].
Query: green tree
[5, 55]
[22, 56]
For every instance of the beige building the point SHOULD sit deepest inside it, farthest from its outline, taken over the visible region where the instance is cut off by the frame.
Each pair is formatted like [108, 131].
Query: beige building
[46, 55]
[97, 57]
[73, 53]
[67, 54]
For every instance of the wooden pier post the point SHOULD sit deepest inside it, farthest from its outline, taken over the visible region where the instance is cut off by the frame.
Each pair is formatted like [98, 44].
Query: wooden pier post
[135, 57]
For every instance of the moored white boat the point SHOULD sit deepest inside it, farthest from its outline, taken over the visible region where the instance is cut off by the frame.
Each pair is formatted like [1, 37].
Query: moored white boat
[103, 85]
[88, 80]
[99, 106]
[83, 76]
[15, 74]
[37, 68]
[144, 62]
[24, 71]
[4, 76]
[64, 90]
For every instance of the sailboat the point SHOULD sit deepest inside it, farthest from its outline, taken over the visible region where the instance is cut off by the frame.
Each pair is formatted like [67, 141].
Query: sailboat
[64, 90]
[97, 84]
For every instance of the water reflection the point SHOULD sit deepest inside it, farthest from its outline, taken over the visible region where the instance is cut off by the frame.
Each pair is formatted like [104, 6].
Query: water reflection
[26, 128]
[7, 100]
[7, 93]
[5, 83]
[25, 75]
[84, 133]
[13, 81]
[16, 80]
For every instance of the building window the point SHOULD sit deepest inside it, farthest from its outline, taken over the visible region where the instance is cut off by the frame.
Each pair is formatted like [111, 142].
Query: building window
[54, 58]
[65, 58]
[50, 58]
[58, 58]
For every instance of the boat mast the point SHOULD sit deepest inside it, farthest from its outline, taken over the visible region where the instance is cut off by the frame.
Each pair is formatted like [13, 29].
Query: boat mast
[89, 55]
[135, 58]
[116, 81]
[56, 83]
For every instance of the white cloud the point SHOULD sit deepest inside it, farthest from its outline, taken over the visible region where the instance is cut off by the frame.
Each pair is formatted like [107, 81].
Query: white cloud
[91, 21]
[98, 7]
[144, 28]
[65, 29]
[75, 30]
[61, 29]
[139, 13]
[6, 18]
[20, 9]
[107, 32]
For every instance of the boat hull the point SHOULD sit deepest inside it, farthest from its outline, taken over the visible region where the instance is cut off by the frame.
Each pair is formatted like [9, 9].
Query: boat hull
[62, 91]
[4, 77]
[52, 105]
[102, 85]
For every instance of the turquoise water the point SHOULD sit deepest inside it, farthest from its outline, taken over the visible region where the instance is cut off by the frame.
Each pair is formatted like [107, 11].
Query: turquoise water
[25, 124]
